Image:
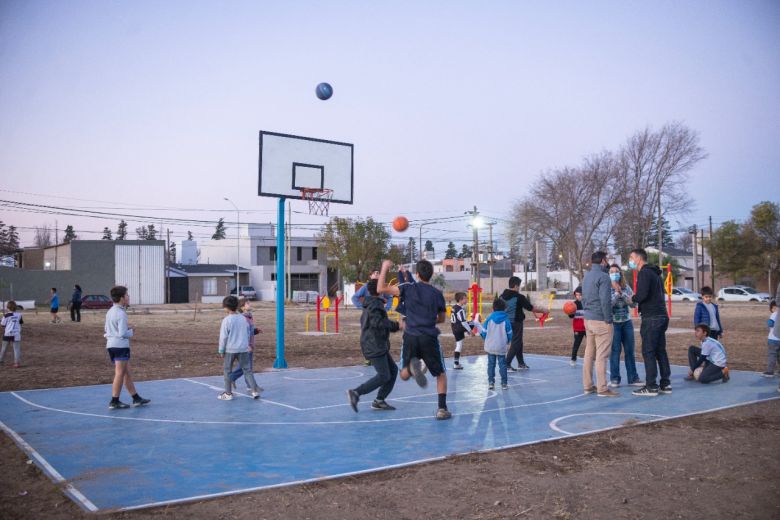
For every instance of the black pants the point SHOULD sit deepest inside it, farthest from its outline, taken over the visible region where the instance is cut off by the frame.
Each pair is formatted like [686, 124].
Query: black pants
[516, 347]
[386, 372]
[75, 311]
[653, 333]
[578, 337]
[710, 372]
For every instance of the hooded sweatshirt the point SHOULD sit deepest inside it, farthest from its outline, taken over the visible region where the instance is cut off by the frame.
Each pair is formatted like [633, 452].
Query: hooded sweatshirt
[375, 328]
[497, 333]
[650, 292]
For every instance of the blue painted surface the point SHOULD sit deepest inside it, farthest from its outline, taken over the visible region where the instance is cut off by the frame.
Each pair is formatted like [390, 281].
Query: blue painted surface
[280, 362]
[188, 444]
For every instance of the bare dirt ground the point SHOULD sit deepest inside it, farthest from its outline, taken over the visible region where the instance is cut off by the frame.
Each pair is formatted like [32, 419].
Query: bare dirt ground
[717, 465]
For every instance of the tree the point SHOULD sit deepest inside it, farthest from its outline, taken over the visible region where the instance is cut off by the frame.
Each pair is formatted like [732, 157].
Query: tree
[42, 236]
[106, 234]
[70, 235]
[684, 241]
[355, 247]
[652, 234]
[172, 253]
[121, 231]
[466, 251]
[219, 233]
[410, 252]
[9, 239]
[429, 248]
[650, 160]
[451, 251]
[727, 249]
[151, 232]
[189, 235]
[142, 233]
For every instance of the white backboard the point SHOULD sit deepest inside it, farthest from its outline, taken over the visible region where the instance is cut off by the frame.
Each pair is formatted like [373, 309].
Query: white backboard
[289, 163]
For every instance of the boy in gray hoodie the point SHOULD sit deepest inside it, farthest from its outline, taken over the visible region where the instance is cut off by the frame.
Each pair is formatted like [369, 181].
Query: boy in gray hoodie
[234, 337]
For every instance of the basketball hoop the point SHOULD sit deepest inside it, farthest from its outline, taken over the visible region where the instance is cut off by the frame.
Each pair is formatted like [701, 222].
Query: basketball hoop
[318, 198]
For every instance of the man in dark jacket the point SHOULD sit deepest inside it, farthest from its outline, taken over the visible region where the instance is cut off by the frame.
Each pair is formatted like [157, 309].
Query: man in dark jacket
[650, 297]
[515, 303]
[375, 329]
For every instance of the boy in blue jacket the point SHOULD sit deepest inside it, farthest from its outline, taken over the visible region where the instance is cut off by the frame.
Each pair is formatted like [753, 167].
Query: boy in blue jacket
[706, 313]
[497, 333]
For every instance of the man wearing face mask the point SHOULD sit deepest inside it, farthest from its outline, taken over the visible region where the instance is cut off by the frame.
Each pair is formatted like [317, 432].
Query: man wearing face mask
[597, 306]
[650, 297]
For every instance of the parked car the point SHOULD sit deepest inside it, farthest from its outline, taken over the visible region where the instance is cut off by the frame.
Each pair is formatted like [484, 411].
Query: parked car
[741, 293]
[96, 301]
[247, 291]
[683, 294]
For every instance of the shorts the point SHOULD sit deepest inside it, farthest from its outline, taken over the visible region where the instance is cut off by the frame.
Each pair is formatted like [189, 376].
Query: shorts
[9, 338]
[459, 334]
[119, 354]
[426, 348]
[54, 310]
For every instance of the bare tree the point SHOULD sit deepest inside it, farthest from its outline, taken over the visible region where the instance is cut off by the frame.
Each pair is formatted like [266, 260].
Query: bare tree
[655, 164]
[575, 208]
[42, 236]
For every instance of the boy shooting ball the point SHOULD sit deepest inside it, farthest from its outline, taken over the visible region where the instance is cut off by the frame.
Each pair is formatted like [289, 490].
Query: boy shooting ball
[424, 309]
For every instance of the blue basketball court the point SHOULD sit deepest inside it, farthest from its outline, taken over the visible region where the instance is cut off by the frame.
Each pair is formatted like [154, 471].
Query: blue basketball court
[187, 445]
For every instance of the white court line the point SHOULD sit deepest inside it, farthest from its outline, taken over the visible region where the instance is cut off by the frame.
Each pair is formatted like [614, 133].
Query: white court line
[554, 423]
[220, 389]
[80, 499]
[282, 423]
[359, 374]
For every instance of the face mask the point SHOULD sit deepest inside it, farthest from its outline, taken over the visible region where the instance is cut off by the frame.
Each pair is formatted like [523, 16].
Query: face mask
[632, 264]
[615, 277]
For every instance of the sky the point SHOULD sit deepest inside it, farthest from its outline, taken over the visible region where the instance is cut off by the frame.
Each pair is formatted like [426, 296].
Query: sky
[153, 108]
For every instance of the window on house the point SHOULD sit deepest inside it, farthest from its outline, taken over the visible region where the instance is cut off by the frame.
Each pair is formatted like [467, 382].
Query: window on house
[273, 277]
[299, 253]
[313, 253]
[209, 286]
[273, 253]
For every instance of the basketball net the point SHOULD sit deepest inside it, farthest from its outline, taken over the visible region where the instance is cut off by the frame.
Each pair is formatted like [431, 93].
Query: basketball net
[318, 198]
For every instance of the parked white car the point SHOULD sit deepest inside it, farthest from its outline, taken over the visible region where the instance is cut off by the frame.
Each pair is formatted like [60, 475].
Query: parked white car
[683, 294]
[247, 291]
[741, 293]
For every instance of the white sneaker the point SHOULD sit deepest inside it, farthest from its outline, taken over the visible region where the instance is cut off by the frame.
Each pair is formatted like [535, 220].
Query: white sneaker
[573, 362]
[255, 394]
[614, 384]
[224, 396]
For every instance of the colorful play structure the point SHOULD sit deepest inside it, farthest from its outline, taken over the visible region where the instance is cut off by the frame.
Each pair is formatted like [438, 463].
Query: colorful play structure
[323, 312]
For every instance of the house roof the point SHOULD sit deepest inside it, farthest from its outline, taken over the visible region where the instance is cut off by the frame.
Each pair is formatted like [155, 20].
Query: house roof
[671, 251]
[210, 269]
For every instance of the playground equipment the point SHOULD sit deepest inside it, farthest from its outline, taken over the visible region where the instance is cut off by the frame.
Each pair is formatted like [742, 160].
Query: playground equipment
[545, 316]
[474, 305]
[323, 312]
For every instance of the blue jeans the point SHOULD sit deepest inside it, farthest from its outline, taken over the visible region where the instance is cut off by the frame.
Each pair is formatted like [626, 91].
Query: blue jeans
[623, 334]
[492, 358]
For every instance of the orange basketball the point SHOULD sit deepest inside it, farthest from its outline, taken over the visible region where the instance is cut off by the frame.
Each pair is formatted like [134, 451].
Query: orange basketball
[400, 223]
[569, 308]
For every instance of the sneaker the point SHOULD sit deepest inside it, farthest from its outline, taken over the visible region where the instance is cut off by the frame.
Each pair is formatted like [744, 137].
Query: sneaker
[457, 366]
[726, 375]
[665, 389]
[381, 404]
[255, 394]
[504, 386]
[224, 396]
[491, 386]
[646, 391]
[523, 366]
[511, 368]
[443, 414]
[637, 382]
[17, 365]
[614, 384]
[590, 390]
[117, 405]
[573, 362]
[607, 393]
[417, 372]
[141, 401]
[354, 397]
[768, 374]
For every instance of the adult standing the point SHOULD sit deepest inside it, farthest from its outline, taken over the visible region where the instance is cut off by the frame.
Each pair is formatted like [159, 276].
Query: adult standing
[650, 298]
[623, 338]
[597, 308]
[515, 303]
[75, 304]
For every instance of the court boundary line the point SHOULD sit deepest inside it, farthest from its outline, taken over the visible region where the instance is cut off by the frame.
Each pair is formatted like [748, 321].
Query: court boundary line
[69, 489]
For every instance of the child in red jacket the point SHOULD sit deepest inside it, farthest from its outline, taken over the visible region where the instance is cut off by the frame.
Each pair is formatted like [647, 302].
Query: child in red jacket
[578, 325]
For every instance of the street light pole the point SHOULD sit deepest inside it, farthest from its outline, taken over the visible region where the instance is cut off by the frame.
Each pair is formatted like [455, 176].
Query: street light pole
[238, 246]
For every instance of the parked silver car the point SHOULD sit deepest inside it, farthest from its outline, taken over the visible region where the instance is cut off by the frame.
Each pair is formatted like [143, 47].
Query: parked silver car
[247, 291]
[741, 293]
[683, 294]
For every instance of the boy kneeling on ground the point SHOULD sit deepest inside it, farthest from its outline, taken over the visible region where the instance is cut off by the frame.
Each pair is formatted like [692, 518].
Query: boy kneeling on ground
[708, 363]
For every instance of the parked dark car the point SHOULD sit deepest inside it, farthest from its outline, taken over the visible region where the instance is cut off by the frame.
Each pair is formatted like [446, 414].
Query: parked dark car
[96, 301]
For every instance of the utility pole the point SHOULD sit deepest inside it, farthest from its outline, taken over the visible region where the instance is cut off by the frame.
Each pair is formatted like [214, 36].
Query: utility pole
[692, 230]
[701, 243]
[525, 257]
[475, 253]
[490, 252]
[712, 260]
[660, 230]
[168, 266]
